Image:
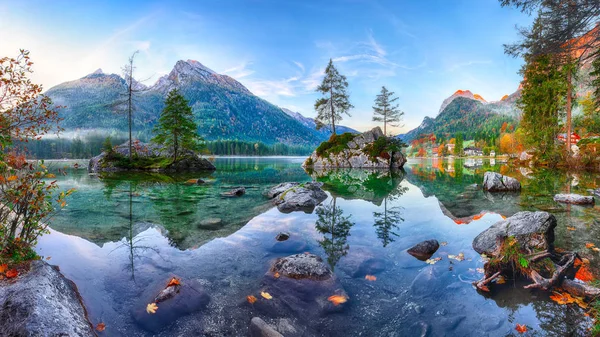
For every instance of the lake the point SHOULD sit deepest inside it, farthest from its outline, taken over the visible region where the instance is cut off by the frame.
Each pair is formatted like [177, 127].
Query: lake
[123, 235]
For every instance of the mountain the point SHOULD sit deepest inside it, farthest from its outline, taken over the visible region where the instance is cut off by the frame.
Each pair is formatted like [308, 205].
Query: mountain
[223, 107]
[311, 124]
[469, 114]
[461, 93]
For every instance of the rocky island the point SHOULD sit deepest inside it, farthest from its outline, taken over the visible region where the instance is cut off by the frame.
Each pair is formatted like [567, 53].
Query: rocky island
[371, 149]
[147, 157]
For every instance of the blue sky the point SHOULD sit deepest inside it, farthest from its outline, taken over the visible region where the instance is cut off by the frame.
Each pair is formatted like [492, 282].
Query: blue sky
[422, 50]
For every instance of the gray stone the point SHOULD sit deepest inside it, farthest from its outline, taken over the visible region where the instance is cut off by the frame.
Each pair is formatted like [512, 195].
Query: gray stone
[533, 231]
[277, 190]
[211, 223]
[42, 302]
[174, 303]
[574, 199]
[304, 197]
[236, 192]
[282, 236]
[302, 266]
[353, 156]
[424, 250]
[259, 328]
[494, 182]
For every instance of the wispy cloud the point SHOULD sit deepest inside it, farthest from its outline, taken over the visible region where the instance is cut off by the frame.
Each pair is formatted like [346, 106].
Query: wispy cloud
[456, 66]
[239, 71]
[299, 65]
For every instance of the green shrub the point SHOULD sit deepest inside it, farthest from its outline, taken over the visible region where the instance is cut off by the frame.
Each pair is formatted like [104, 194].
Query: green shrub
[335, 144]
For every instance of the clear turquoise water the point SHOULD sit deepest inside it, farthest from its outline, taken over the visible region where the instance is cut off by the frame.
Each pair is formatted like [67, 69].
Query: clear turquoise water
[124, 234]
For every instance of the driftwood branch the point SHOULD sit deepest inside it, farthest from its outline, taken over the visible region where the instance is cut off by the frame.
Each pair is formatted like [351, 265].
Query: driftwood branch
[541, 282]
[482, 284]
[580, 289]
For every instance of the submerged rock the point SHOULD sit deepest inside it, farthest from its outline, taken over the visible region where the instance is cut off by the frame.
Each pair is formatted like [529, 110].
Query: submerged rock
[302, 266]
[236, 192]
[298, 197]
[194, 182]
[282, 236]
[493, 182]
[211, 223]
[574, 199]
[42, 302]
[183, 299]
[534, 231]
[259, 328]
[424, 250]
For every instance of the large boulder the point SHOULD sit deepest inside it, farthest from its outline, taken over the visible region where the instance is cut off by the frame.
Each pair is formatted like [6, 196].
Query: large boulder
[534, 231]
[297, 197]
[302, 266]
[189, 161]
[424, 250]
[355, 154]
[42, 302]
[574, 199]
[496, 182]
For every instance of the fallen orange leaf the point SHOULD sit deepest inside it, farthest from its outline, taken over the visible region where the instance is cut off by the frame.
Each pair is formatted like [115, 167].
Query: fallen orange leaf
[11, 178]
[151, 308]
[251, 299]
[3, 268]
[521, 328]
[276, 275]
[571, 228]
[500, 280]
[337, 299]
[370, 277]
[100, 327]
[584, 274]
[48, 258]
[589, 245]
[174, 282]
[562, 298]
[266, 295]
[12, 273]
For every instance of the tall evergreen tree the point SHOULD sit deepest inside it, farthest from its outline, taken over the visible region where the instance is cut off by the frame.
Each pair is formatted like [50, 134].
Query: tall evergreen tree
[385, 109]
[176, 128]
[335, 103]
[542, 102]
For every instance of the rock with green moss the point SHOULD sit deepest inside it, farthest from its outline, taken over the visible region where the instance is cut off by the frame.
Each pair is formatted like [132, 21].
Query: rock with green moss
[371, 149]
[147, 157]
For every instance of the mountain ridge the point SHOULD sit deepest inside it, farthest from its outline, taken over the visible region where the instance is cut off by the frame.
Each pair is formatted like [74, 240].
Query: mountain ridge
[223, 108]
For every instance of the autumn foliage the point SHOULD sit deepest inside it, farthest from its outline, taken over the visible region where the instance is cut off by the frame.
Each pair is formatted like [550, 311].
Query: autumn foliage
[27, 195]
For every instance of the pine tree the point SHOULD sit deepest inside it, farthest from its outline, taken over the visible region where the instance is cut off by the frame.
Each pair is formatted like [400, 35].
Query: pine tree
[386, 111]
[176, 128]
[336, 103]
[543, 102]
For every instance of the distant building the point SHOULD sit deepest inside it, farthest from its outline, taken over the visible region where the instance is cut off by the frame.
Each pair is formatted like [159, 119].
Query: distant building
[575, 138]
[450, 147]
[473, 151]
[492, 153]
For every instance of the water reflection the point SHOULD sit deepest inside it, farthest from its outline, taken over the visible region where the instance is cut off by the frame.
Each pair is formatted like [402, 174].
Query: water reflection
[335, 227]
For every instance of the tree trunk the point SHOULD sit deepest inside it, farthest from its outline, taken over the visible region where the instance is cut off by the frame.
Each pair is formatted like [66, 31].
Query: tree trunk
[332, 111]
[568, 135]
[129, 101]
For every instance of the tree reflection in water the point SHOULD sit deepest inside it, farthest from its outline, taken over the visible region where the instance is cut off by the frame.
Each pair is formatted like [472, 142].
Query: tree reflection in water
[335, 228]
[387, 220]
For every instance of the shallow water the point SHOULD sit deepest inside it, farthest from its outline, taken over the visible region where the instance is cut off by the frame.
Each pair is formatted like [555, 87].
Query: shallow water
[123, 235]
